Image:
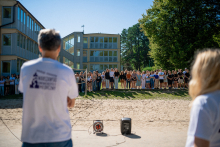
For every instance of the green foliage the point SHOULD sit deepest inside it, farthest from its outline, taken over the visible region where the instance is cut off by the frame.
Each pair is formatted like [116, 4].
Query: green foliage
[147, 68]
[135, 48]
[176, 29]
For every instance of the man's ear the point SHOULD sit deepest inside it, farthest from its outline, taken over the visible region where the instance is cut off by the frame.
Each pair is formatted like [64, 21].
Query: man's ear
[40, 49]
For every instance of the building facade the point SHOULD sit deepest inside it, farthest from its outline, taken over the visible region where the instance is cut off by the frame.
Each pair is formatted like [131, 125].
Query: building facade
[95, 51]
[19, 31]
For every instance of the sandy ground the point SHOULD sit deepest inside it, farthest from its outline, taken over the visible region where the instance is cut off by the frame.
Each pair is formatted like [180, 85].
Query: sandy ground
[155, 123]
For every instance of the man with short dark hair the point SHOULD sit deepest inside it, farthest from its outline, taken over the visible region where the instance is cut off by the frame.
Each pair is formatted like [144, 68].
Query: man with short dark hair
[49, 87]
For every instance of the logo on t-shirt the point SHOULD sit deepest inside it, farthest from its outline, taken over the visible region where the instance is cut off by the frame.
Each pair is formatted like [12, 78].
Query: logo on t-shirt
[44, 80]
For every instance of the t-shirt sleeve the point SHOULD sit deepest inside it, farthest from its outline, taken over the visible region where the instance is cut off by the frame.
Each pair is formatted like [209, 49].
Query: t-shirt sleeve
[20, 86]
[73, 90]
[201, 124]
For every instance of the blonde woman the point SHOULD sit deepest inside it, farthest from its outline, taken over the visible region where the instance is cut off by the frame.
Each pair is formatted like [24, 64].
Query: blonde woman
[165, 79]
[89, 82]
[122, 79]
[204, 88]
[143, 75]
[156, 85]
[103, 80]
[134, 79]
[175, 78]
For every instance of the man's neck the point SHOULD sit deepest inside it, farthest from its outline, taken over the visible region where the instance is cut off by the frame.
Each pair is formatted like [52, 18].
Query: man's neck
[54, 58]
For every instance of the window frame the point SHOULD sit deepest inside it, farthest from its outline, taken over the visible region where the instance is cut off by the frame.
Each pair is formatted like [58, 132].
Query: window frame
[4, 38]
[3, 8]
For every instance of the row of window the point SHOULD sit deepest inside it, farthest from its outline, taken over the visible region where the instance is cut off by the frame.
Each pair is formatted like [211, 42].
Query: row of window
[101, 42]
[103, 39]
[30, 22]
[102, 67]
[27, 44]
[103, 53]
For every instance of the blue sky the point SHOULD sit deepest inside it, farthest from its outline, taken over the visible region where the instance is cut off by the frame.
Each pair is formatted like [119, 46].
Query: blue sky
[105, 16]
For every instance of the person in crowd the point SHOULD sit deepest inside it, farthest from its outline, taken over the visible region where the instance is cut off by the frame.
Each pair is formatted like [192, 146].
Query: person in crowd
[161, 78]
[77, 79]
[156, 85]
[83, 79]
[125, 82]
[2, 82]
[138, 83]
[103, 80]
[152, 78]
[204, 88]
[116, 77]
[80, 83]
[134, 79]
[111, 74]
[147, 80]
[122, 79]
[16, 84]
[94, 77]
[184, 71]
[128, 76]
[7, 85]
[175, 77]
[143, 83]
[99, 80]
[46, 120]
[89, 82]
[170, 79]
[180, 74]
[165, 79]
[12, 84]
[107, 78]
[186, 78]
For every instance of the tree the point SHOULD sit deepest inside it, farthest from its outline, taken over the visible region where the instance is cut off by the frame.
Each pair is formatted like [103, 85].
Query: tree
[134, 47]
[177, 28]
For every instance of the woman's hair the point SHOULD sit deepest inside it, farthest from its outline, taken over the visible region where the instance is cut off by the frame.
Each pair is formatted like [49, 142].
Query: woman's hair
[205, 80]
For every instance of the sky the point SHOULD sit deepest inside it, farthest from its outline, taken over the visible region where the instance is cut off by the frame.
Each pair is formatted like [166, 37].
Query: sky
[105, 16]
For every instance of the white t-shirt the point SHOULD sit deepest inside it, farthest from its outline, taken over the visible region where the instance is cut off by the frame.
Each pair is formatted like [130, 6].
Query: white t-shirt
[161, 75]
[12, 78]
[46, 84]
[205, 119]
[111, 73]
[143, 76]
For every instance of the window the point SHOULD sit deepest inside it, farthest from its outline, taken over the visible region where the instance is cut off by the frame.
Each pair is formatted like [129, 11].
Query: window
[78, 38]
[106, 39]
[18, 67]
[18, 39]
[71, 64]
[7, 39]
[68, 44]
[115, 53]
[105, 53]
[101, 39]
[84, 53]
[97, 53]
[6, 12]
[5, 67]
[92, 39]
[30, 23]
[110, 53]
[85, 40]
[24, 17]
[96, 39]
[21, 15]
[78, 52]
[92, 53]
[78, 66]
[115, 66]
[27, 21]
[24, 38]
[110, 39]
[18, 13]
[105, 66]
[28, 44]
[101, 53]
[84, 66]
[114, 39]
[101, 67]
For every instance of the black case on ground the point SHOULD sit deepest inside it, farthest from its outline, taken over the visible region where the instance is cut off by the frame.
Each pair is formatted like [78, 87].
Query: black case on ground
[125, 126]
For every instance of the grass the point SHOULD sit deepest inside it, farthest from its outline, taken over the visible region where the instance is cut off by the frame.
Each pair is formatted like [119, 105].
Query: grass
[138, 94]
[130, 94]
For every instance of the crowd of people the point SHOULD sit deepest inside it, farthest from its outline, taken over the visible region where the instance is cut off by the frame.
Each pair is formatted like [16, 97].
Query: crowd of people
[9, 85]
[110, 78]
